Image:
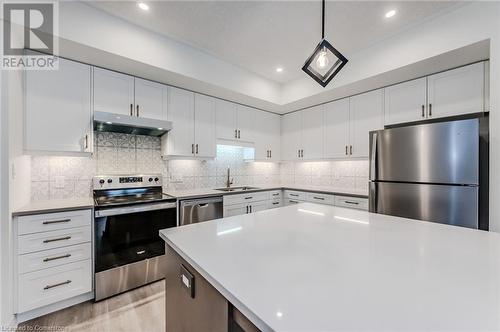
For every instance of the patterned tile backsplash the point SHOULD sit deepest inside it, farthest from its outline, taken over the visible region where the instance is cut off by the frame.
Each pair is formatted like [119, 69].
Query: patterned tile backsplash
[71, 177]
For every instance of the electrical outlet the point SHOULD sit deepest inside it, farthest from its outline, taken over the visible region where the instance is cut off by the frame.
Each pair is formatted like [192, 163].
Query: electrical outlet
[59, 181]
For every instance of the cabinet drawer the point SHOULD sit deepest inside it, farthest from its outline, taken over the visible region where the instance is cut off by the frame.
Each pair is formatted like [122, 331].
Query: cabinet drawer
[352, 202]
[54, 239]
[321, 198]
[291, 201]
[274, 203]
[53, 257]
[295, 195]
[40, 288]
[275, 194]
[53, 221]
[246, 198]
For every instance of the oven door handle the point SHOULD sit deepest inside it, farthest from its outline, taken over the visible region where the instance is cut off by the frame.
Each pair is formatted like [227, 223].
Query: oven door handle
[134, 209]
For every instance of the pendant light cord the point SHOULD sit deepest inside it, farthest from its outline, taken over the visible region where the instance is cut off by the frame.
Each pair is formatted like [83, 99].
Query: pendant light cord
[323, 22]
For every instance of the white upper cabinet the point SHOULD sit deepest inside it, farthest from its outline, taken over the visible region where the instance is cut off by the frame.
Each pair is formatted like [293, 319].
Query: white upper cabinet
[406, 102]
[291, 128]
[226, 120]
[245, 123]
[457, 91]
[58, 114]
[336, 130]
[124, 94]
[312, 133]
[204, 126]
[113, 92]
[366, 114]
[150, 99]
[267, 136]
[179, 141]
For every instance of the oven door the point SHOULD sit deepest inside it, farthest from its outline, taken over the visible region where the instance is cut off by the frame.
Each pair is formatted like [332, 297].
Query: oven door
[125, 235]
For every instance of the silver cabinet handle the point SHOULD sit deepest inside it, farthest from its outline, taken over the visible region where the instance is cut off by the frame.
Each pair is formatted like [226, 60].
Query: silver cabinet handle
[250, 209]
[137, 110]
[350, 149]
[276, 194]
[57, 239]
[247, 208]
[131, 110]
[430, 109]
[346, 150]
[55, 285]
[298, 152]
[423, 111]
[236, 133]
[292, 201]
[294, 195]
[196, 148]
[249, 197]
[55, 221]
[239, 136]
[270, 153]
[86, 141]
[351, 202]
[48, 259]
[276, 203]
[192, 148]
[141, 252]
[320, 198]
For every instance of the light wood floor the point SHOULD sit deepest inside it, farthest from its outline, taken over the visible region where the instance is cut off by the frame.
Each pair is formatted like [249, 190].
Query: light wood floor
[142, 309]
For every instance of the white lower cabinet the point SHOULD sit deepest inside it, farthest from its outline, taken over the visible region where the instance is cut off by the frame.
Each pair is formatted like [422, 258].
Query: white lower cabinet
[251, 202]
[352, 202]
[54, 258]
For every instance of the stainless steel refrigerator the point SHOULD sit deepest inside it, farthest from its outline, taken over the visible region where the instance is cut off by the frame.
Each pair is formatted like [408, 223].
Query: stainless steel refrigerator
[434, 172]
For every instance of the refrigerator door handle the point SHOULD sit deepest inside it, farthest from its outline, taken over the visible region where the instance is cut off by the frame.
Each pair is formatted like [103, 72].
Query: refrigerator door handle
[373, 157]
[372, 195]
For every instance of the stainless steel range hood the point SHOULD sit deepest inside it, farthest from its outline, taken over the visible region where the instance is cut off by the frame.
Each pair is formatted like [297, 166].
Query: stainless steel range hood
[130, 124]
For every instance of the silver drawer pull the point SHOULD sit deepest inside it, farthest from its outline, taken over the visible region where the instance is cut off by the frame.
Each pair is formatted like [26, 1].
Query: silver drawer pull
[140, 252]
[276, 203]
[57, 257]
[294, 195]
[321, 198]
[249, 197]
[56, 221]
[351, 202]
[292, 201]
[58, 239]
[276, 194]
[55, 285]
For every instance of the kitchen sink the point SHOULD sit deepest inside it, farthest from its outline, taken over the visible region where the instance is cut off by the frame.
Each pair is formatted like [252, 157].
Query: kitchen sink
[236, 189]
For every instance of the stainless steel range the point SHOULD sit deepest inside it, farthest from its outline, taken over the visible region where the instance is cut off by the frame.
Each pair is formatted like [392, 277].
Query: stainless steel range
[129, 212]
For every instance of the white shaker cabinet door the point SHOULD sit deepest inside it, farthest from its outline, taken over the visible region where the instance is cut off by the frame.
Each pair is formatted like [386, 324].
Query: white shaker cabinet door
[291, 128]
[312, 133]
[150, 99]
[274, 137]
[58, 109]
[236, 210]
[406, 102]
[180, 140]
[204, 126]
[262, 134]
[366, 113]
[226, 120]
[113, 92]
[336, 131]
[457, 91]
[246, 123]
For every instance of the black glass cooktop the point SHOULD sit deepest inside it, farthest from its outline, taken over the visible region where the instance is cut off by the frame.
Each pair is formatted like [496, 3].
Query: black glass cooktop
[129, 196]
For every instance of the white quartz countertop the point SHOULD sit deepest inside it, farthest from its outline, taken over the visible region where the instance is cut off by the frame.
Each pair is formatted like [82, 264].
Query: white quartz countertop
[54, 205]
[310, 267]
[194, 193]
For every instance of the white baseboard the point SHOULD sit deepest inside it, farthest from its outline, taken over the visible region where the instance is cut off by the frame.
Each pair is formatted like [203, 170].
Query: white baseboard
[25, 316]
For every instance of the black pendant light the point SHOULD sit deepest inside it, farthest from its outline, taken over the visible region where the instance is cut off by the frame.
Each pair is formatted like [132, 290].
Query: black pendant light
[326, 61]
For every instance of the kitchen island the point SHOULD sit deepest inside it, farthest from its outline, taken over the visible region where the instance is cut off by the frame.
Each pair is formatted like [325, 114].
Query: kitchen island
[310, 267]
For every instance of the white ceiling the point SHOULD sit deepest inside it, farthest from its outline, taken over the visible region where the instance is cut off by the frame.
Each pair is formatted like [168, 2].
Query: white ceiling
[261, 35]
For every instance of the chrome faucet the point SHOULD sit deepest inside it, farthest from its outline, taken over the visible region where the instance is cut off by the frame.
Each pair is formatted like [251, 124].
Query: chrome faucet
[229, 181]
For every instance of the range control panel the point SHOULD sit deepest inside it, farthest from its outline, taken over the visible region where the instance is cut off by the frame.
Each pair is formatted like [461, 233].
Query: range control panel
[126, 181]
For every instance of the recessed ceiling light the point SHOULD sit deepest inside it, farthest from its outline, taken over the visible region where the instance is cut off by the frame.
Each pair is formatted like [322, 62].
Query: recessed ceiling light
[390, 13]
[143, 6]
[279, 70]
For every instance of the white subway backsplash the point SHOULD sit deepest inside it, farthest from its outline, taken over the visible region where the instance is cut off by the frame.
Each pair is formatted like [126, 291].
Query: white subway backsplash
[70, 177]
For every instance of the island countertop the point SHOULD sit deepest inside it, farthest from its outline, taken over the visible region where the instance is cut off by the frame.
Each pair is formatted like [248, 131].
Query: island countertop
[310, 267]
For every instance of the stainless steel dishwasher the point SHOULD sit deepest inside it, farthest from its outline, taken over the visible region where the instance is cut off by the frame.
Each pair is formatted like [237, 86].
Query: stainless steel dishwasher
[199, 210]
